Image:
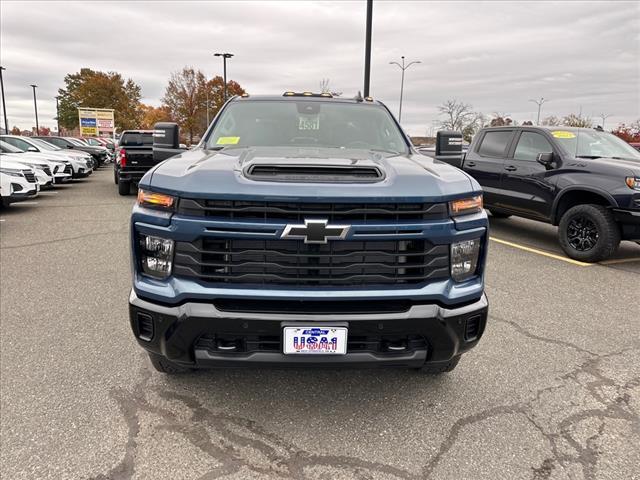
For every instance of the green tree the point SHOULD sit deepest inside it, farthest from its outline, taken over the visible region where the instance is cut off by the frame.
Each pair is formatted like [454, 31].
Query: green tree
[94, 89]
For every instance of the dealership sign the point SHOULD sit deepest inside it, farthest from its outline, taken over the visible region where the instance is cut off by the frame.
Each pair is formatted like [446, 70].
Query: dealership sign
[93, 121]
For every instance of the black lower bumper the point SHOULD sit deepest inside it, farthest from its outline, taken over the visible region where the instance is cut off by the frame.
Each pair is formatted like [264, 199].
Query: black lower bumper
[132, 176]
[629, 221]
[200, 335]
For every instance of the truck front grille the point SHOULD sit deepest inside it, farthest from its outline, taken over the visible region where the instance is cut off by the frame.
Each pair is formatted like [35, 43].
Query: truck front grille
[292, 262]
[297, 212]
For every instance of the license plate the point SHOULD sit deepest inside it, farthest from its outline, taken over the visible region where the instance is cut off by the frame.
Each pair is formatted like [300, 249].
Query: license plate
[315, 340]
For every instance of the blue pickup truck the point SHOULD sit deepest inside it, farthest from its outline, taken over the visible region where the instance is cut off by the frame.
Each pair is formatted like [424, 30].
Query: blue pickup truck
[305, 230]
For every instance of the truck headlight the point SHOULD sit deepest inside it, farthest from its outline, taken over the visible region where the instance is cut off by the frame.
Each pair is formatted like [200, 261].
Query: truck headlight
[633, 182]
[156, 255]
[155, 200]
[465, 206]
[464, 259]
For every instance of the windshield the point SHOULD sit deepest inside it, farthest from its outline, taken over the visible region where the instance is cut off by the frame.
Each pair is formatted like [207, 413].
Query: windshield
[44, 145]
[594, 144]
[305, 123]
[75, 142]
[7, 148]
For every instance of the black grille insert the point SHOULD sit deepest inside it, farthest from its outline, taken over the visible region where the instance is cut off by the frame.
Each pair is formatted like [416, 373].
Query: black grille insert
[297, 212]
[145, 326]
[472, 329]
[316, 307]
[292, 262]
[314, 173]
[29, 176]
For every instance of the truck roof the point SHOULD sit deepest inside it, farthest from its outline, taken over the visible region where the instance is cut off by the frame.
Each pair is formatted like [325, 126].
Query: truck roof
[297, 98]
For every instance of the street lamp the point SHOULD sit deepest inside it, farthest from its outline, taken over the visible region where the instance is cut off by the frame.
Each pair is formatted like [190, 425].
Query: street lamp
[58, 113]
[4, 105]
[539, 103]
[403, 67]
[35, 107]
[224, 66]
[604, 117]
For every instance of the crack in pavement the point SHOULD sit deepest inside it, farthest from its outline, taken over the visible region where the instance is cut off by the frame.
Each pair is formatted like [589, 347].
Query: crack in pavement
[237, 443]
[57, 240]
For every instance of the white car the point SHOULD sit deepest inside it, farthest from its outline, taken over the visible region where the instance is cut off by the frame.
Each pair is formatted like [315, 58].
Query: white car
[81, 162]
[19, 182]
[59, 169]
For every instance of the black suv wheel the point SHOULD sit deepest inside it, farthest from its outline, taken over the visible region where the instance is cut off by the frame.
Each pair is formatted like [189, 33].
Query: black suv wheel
[589, 233]
[124, 188]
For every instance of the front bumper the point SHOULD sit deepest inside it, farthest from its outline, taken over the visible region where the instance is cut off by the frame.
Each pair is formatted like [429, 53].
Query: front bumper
[194, 334]
[629, 221]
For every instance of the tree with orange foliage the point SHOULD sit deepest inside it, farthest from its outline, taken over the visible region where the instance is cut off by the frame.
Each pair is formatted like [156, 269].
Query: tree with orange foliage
[152, 115]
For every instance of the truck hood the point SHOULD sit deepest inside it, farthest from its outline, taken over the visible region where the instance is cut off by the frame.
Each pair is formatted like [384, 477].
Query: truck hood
[203, 173]
[607, 165]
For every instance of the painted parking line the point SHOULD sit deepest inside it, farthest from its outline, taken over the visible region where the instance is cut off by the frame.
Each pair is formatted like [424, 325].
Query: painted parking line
[542, 252]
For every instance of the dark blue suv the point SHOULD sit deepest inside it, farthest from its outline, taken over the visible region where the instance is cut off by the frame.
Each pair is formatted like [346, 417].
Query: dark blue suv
[306, 230]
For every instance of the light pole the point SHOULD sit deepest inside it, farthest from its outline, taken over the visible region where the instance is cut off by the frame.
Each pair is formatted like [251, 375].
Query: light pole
[539, 103]
[4, 105]
[57, 113]
[604, 117]
[403, 67]
[207, 107]
[367, 48]
[224, 69]
[35, 107]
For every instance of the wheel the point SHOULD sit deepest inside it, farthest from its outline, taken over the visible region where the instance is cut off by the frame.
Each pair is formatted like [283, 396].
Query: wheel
[163, 365]
[440, 367]
[115, 176]
[124, 188]
[496, 214]
[588, 233]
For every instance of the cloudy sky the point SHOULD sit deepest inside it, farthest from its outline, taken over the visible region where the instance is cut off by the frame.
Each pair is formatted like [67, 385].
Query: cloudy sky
[493, 55]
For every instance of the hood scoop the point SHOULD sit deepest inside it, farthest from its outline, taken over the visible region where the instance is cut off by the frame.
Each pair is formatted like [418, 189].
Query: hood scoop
[314, 173]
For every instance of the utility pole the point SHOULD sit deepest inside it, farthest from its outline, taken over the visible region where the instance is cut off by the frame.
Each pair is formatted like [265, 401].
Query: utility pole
[403, 67]
[35, 107]
[58, 113]
[224, 67]
[539, 103]
[604, 117]
[4, 104]
[367, 48]
[207, 107]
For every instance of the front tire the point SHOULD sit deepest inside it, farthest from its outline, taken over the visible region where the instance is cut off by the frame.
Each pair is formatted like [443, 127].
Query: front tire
[496, 214]
[589, 233]
[124, 188]
[162, 365]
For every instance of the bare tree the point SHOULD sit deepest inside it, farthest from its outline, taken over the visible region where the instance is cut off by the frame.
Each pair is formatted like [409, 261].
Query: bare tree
[551, 121]
[325, 88]
[460, 117]
[573, 120]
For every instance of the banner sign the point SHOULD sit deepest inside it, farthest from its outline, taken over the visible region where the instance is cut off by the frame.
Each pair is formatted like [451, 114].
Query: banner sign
[93, 121]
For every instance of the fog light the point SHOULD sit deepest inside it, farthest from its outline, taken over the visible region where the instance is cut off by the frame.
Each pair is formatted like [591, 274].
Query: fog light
[464, 259]
[157, 255]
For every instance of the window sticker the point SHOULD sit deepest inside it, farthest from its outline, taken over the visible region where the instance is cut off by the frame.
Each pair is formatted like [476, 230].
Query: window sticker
[309, 122]
[563, 134]
[228, 140]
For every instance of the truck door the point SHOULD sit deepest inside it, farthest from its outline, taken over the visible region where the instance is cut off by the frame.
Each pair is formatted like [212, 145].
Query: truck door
[525, 182]
[485, 163]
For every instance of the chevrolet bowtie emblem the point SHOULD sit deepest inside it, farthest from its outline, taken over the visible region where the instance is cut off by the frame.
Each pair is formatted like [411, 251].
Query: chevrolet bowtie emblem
[316, 231]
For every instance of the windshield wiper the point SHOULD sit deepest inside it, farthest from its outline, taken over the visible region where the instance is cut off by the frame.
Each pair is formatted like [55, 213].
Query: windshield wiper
[592, 157]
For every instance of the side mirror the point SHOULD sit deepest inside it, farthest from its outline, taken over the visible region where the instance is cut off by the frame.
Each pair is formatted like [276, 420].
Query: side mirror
[166, 140]
[545, 159]
[448, 143]
[32, 149]
[166, 135]
[70, 146]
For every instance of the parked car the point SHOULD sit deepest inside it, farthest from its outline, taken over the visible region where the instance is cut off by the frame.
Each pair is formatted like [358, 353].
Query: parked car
[99, 154]
[21, 184]
[635, 145]
[41, 168]
[134, 158]
[306, 230]
[81, 162]
[587, 182]
[60, 170]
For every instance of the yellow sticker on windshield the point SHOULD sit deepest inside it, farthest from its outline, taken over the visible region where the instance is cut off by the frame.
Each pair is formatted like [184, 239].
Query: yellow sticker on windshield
[563, 134]
[228, 140]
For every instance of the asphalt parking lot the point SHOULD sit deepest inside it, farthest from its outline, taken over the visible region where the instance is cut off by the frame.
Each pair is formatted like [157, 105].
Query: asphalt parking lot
[551, 392]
